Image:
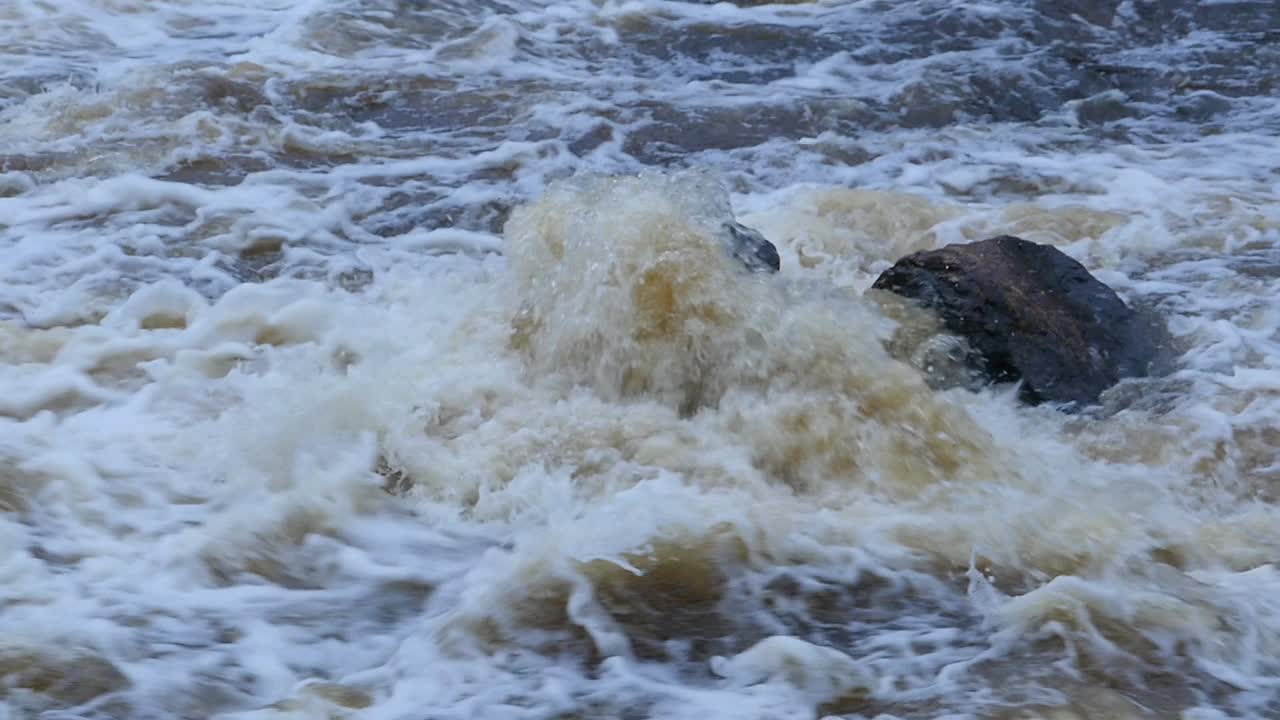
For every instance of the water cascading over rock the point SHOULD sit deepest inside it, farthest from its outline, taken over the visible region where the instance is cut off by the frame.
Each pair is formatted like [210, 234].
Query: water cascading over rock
[1030, 313]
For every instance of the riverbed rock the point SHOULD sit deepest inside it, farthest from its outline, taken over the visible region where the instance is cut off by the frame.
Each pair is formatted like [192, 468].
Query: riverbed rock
[752, 249]
[1030, 313]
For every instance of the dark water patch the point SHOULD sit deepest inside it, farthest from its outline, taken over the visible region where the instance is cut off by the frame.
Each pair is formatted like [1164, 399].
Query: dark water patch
[349, 615]
[853, 616]
[671, 133]
[749, 3]
[1087, 61]
[35, 163]
[1201, 106]
[1009, 63]
[418, 103]
[59, 681]
[939, 99]
[942, 29]
[675, 611]
[426, 205]
[215, 88]
[747, 53]
[1253, 270]
[1098, 682]
[14, 89]
[221, 171]
[259, 262]
[370, 25]
[406, 208]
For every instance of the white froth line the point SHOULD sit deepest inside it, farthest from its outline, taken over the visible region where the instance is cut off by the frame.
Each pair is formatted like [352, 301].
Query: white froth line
[38, 392]
[449, 240]
[128, 192]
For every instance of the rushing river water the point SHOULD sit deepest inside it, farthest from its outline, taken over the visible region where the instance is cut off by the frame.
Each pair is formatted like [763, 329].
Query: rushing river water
[380, 359]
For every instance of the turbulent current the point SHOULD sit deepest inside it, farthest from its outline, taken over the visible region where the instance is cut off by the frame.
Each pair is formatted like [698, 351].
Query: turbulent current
[383, 359]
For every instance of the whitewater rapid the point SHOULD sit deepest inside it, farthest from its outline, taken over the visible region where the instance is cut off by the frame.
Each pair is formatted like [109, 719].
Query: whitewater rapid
[382, 359]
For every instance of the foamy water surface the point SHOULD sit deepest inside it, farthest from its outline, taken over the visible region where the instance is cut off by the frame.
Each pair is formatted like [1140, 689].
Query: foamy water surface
[382, 359]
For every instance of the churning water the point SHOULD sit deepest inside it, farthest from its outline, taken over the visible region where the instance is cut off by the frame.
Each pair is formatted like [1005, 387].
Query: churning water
[381, 359]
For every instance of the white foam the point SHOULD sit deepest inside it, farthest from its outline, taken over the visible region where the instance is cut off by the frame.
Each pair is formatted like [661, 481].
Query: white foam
[208, 384]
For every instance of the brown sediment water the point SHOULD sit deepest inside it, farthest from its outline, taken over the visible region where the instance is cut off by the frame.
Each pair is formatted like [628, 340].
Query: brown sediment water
[370, 359]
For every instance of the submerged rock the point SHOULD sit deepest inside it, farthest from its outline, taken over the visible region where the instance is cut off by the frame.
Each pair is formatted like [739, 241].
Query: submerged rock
[1030, 313]
[750, 247]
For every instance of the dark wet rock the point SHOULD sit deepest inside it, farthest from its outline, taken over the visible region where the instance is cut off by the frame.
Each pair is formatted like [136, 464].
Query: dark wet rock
[750, 247]
[1030, 313]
